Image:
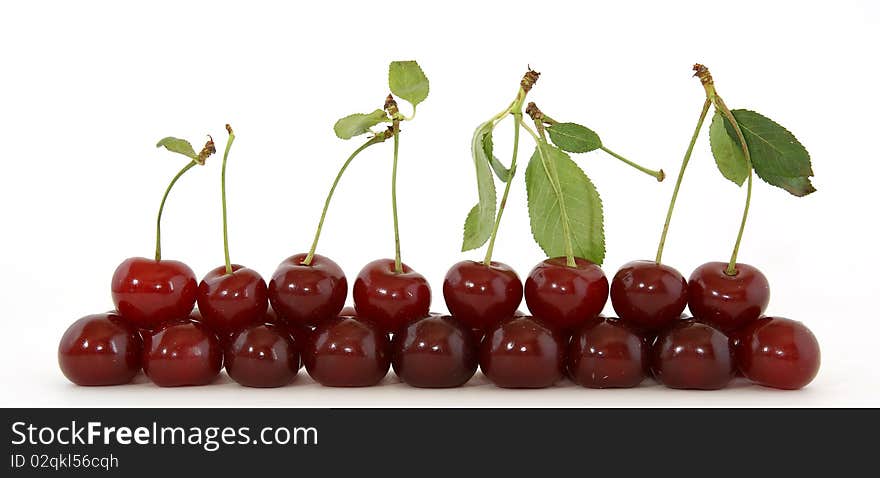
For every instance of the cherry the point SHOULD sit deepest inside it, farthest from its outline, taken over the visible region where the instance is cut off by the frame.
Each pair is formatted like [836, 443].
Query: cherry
[435, 352]
[230, 302]
[607, 354]
[263, 355]
[182, 353]
[100, 349]
[693, 355]
[648, 294]
[308, 294]
[522, 352]
[347, 352]
[388, 297]
[481, 295]
[777, 352]
[566, 296]
[728, 302]
[150, 292]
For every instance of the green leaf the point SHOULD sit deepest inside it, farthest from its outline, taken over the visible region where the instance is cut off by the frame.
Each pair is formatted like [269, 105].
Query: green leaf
[179, 146]
[407, 80]
[481, 218]
[498, 168]
[774, 151]
[358, 124]
[579, 206]
[574, 138]
[798, 186]
[727, 151]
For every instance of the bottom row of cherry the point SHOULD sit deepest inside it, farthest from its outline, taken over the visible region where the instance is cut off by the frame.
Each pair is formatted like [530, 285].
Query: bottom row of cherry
[438, 351]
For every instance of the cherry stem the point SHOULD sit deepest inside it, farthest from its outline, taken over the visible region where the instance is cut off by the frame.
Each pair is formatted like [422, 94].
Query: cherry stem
[658, 175]
[719, 104]
[223, 198]
[517, 115]
[162, 208]
[311, 255]
[398, 265]
[687, 156]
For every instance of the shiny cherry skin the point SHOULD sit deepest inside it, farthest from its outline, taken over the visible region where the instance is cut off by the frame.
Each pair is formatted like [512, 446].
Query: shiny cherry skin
[347, 352]
[778, 352]
[307, 294]
[607, 353]
[182, 353]
[435, 352]
[566, 297]
[727, 302]
[231, 302]
[389, 298]
[262, 355]
[648, 294]
[148, 293]
[693, 355]
[480, 296]
[523, 352]
[100, 349]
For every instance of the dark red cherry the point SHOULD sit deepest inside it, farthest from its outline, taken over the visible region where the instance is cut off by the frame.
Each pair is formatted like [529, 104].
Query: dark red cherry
[262, 355]
[727, 302]
[435, 352]
[522, 352]
[693, 355]
[777, 352]
[391, 299]
[347, 352]
[182, 353]
[564, 296]
[148, 293]
[307, 294]
[607, 354]
[230, 302]
[100, 349]
[648, 294]
[480, 296]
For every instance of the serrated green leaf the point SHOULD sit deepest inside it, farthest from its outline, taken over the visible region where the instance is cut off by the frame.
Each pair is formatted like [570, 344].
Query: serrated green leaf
[179, 146]
[774, 151]
[727, 151]
[574, 138]
[498, 168]
[799, 186]
[407, 80]
[481, 218]
[358, 124]
[579, 200]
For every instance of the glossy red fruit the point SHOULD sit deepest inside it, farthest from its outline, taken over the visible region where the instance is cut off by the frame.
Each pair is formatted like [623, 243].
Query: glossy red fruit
[607, 354]
[100, 349]
[566, 297]
[693, 355]
[777, 352]
[307, 294]
[727, 302]
[231, 302]
[480, 296]
[648, 294]
[148, 293]
[347, 352]
[522, 352]
[435, 352]
[182, 353]
[389, 298]
[262, 355]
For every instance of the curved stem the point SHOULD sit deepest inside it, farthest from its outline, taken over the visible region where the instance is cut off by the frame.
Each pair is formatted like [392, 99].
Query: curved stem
[162, 208]
[658, 175]
[398, 266]
[684, 163]
[311, 254]
[223, 199]
[488, 260]
[731, 266]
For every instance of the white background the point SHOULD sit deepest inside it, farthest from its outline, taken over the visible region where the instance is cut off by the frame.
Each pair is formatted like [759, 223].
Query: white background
[86, 89]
